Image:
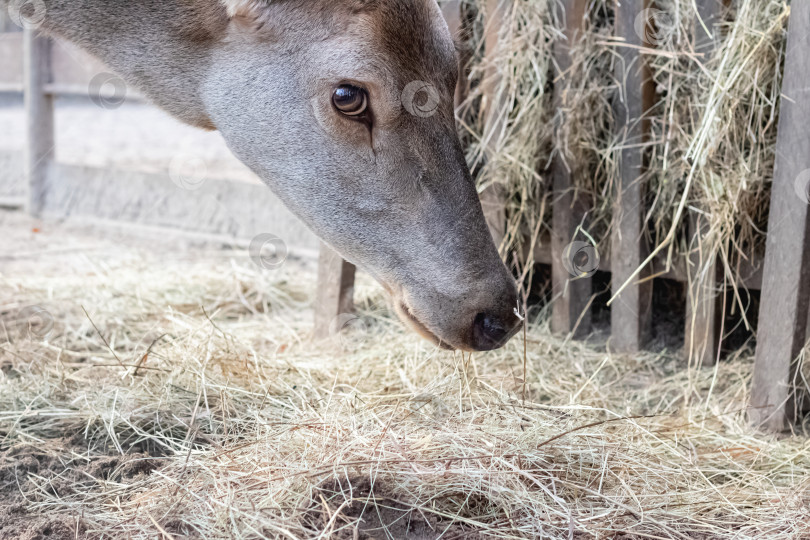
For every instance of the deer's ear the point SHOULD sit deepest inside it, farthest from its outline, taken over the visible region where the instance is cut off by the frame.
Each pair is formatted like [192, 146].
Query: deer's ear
[245, 8]
[249, 18]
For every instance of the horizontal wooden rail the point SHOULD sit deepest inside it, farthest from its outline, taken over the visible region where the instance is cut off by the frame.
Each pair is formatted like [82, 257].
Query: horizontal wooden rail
[71, 90]
[749, 272]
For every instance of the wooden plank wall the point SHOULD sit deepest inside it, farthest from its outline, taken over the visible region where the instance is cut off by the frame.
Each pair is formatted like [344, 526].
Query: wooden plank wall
[783, 319]
[571, 293]
[630, 310]
[219, 208]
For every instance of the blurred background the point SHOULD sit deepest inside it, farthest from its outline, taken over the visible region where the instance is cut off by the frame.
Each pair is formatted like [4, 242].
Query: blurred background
[118, 158]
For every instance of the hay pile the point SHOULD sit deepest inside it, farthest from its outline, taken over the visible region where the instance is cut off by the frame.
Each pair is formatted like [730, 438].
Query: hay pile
[712, 126]
[184, 398]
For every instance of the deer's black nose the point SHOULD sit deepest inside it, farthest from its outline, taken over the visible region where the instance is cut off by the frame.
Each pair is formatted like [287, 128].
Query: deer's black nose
[491, 331]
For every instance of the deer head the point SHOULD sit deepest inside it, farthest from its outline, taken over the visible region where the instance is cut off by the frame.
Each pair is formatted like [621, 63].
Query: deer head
[344, 108]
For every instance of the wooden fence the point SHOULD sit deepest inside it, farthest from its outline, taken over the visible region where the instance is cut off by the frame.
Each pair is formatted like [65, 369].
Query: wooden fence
[783, 277]
[218, 208]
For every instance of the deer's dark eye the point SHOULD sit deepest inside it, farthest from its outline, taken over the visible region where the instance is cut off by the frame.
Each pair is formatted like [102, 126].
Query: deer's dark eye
[350, 100]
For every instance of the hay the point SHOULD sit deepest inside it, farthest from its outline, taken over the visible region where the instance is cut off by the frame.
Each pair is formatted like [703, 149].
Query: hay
[716, 124]
[712, 127]
[246, 428]
[509, 132]
[243, 427]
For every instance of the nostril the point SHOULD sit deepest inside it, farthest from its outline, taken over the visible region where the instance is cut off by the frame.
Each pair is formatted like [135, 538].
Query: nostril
[489, 332]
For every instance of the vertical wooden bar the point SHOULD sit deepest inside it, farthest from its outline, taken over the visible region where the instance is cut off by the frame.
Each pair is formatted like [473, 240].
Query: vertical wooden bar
[783, 311]
[571, 294]
[493, 198]
[335, 294]
[630, 310]
[701, 332]
[5, 21]
[39, 148]
[702, 325]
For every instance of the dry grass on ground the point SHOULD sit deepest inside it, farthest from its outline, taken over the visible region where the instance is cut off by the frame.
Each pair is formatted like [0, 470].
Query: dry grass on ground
[190, 401]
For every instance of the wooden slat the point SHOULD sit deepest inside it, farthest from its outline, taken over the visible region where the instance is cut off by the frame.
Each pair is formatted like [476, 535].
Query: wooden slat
[39, 149]
[630, 310]
[702, 324]
[78, 90]
[748, 273]
[702, 330]
[493, 198]
[782, 331]
[335, 291]
[571, 294]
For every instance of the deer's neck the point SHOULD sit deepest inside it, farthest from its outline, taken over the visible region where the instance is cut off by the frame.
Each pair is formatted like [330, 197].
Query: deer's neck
[162, 47]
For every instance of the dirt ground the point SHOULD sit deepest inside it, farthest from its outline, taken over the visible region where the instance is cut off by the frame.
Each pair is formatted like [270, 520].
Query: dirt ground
[25, 469]
[67, 465]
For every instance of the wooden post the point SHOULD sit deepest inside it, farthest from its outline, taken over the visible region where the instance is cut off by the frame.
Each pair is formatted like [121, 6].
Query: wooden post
[39, 148]
[335, 294]
[783, 311]
[571, 294]
[630, 310]
[493, 198]
[701, 332]
[702, 324]
[5, 22]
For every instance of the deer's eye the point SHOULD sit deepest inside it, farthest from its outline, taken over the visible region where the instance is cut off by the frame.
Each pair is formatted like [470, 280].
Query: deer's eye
[350, 100]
